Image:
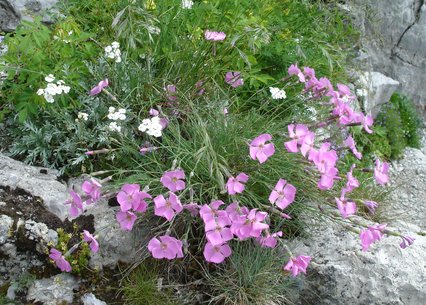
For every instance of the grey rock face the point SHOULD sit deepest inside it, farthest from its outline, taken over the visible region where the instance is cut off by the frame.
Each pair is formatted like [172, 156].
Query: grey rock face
[395, 41]
[380, 89]
[5, 224]
[90, 299]
[40, 233]
[12, 11]
[37, 181]
[53, 291]
[9, 16]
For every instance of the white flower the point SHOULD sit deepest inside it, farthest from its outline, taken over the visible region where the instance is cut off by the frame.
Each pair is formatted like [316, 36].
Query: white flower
[111, 109]
[49, 98]
[187, 4]
[277, 93]
[145, 125]
[114, 127]
[113, 51]
[40, 91]
[116, 115]
[151, 126]
[50, 78]
[115, 45]
[108, 49]
[83, 116]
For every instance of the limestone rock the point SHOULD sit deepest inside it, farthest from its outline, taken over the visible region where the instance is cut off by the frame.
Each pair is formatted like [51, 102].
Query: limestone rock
[9, 16]
[90, 299]
[53, 291]
[37, 181]
[5, 224]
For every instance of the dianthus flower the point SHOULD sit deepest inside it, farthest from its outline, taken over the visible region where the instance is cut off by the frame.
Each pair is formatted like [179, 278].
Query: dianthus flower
[93, 243]
[371, 235]
[76, 204]
[169, 207]
[233, 211]
[173, 180]
[297, 265]
[60, 260]
[130, 197]
[215, 36]
[250, 225]
[126, 219]
[236, 185]
[234, 79]
[93, 189]
[283, 194]
[406, 241]
[270, 240]
[165, 247]
[371, 205]
[350, 142]
[296, 133]
[218, 231]
[211, 211]
[307, 143]
[346, 207]
[216, 254]
[381, 172]
[98, 88]
[261, 150]
[294, 70]
[351, 182]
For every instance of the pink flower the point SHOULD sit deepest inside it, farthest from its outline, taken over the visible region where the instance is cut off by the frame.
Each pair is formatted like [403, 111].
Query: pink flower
[76, 204]
[215, 36]
[167, 208]
[352, 182]
[211, 211]
[365, 120]
[328, 175]
[233, 211]
[283, 194]
[371, 206]
[216, 254]
[153, 112]
[307, 143]
[218, 231]
[193, 208]
[349, 142]
[234, 79]
[371, 235]
[165, 247]
[406, 241]
[250, 225]
[324, 158]
[344, 91]
[294, 70]
[126, 219]
[346, 208]
[93, 189]
[171, 92]
[130, 197]
[173, 180]
[235, 185]
[297, 265]
[270, 240]
[94, 245]
[381, 172]
[309, 72]
[60, 260]
[260, 150]
[98, 88]
[297, 134]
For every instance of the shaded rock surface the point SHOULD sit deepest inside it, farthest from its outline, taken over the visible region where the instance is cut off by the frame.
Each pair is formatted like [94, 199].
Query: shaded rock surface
[53, 291]
[394, 42]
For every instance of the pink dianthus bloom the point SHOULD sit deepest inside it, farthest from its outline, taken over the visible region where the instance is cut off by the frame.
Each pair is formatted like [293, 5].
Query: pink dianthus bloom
[297, 265]
[93, 243]
[130, 197]
[165, 247]
[250, 225]
[98, 88]
[236, 185]
[93, 189]
[365, 120]
[296, 133]
[60, 260]
[371, 205]
[309, 72]
[350, 143]
[233, 211]
[167, 208]
[215, 36]
[283, 194]
[371, 235]
[126, 219]
[351, 183]
[192, 207]
[270, 240]
[211, 211]
[171, 93]
[346, 208]
[216, 254]
[173, 180]
[218, 231]
[307, 143]
[294, 70]
[260, 150]
[76, 204]
[406, 241]
[381, 172]
[234, 79]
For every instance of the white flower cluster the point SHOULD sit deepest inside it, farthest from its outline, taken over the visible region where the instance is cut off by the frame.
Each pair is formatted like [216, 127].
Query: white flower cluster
[82, 116]
[113, 126]
[120, 114]
[277, 93]
[113, 51]
[151, 126]
[53, 89]
[187, 4]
